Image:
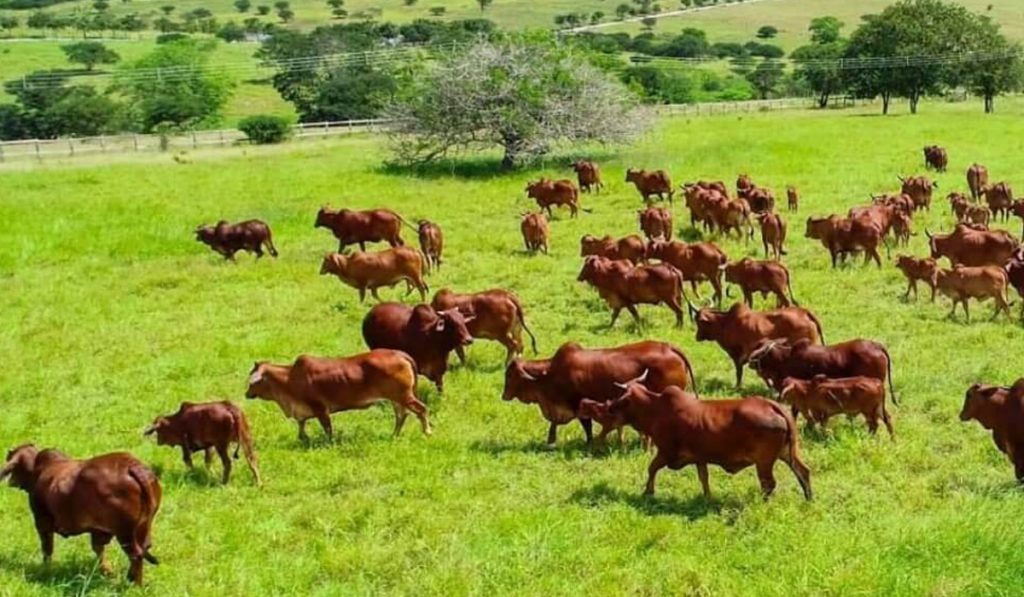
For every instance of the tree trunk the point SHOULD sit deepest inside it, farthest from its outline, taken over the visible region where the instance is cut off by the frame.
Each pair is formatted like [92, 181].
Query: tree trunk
[823, 99]
[886, 96]
[511, 142]
[990, 103]
[915, 97]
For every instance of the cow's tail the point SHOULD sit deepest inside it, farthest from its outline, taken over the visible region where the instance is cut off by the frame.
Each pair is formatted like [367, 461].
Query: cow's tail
[270, 243]
[888, 372]
[689, 370]
[522, 322]
[407, 224]
[792, 297]
[817, 324]
[245, 442]
[800, 470]
[140, 536]
[412, 363]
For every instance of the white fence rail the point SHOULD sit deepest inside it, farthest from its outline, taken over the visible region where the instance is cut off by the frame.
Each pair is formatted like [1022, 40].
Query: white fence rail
[120, 144]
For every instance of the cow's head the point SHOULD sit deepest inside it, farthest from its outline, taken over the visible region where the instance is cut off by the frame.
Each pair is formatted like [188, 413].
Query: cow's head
[524, 379]
[450, 329]
[817, 228]
[206, 234]
[635, 396]
[167, 433]
[592, 265]
[734, 271]
[709, 323]
[259, 386]
[655, 248]
[979, 402]
[20, 466]
[334, 263]
[589, 245]
[769, 354]
[633, 175]
[323, 217]
[935, 242]
[793, 390]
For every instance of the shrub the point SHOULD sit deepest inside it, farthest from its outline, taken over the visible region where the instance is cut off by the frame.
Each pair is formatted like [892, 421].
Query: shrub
[168, 38]
[263, 129]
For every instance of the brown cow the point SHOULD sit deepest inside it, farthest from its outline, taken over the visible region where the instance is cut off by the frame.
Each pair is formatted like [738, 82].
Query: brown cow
[623, 286]
[913, 269]
[731, 215]
[554, 192]
[765, 277]
[900, 203]
[733, 434]
[760, 200]
[656, 182]
[558, 385]
[977, 179]
[959, 204]
[919, 188]
[630, 248]
[370, 271]
[370, 226]
[315, 387]
[1015, 272]
[588, 174]
[773, 234]
[697, 262]
[882, 215]
[431, 242]
[970, 246]
[700, 201]
[1001, 411]
[820, 398]
[977, 214]
[842, 236]
[495, 314]
[963, 283]
[228, 239]
[902, 228]
[999, 197]
[740, 330]
[744, 185]
[793, 198]
[428, 336]
[1017, 209]
[774, 360]
[656, 222]
[534, 227]
[935, 157]
[109, 496]
[206, 427]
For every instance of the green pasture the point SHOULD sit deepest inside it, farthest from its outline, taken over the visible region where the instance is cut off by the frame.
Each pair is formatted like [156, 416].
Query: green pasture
[111, 313]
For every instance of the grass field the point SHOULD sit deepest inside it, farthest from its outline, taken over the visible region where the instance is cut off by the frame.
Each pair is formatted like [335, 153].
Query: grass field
[110, 313]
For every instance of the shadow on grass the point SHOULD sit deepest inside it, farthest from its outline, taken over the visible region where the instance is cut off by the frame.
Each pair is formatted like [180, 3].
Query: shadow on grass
[690, 235]
[488, 167]
[571, 449]
[73, 575]
[718, 385]
[693, 508]
[198, 476]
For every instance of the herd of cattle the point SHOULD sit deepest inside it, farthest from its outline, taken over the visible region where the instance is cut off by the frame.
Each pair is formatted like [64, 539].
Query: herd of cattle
[647, 385]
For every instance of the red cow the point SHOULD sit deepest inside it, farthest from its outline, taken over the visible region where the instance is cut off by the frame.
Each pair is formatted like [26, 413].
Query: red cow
[650, 183]
[495, 314]
[656, 222]
[370, 226]
[588, 174]
[1001, 411]
[554, 192]
[623, 286]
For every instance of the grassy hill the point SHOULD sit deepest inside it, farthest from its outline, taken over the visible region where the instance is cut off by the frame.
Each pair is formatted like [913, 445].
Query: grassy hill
[111, 314]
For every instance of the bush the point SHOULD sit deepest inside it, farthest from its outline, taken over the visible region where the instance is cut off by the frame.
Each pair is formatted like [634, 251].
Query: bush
[263, 129]
[168, 38]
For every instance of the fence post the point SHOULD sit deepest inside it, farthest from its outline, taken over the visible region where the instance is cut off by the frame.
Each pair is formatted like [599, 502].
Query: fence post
[103, 146]
[135, 141]
[327, 128]
[38, 156]
[222, 137]
[194, 140]
[71, 146]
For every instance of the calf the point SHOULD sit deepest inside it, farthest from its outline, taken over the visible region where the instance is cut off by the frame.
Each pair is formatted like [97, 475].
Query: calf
[792, 198]
[920, 190]
[588, 174]
[623, 286]
[656, 223]
[733, 434]
[977, 180]
[630, 248]
[649, 183]
[315, 387]
[935, 157]
[773, 234]
[821, 398]
[902, 228]
[109, 496]
[740, 330]
[842, 236]
[558, 385]
[202, 427]
[428, 336]
[369, 226]
[493, 314]
[228, 239]
[765, 277]
[370, 271]
[959, 204]
[556, 193]
[697, 262]
[925, 270]
[534, 227]
[963, 283]
[999, 197]
[431, 242]
[1001, 411]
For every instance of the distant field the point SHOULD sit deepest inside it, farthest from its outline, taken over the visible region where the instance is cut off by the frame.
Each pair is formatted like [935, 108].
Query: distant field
[111, 313]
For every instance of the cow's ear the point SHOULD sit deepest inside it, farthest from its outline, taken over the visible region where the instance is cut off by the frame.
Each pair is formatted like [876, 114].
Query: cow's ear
[257, 375]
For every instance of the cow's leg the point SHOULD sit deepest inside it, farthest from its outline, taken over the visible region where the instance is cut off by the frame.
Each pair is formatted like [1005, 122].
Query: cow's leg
[208, 457]
[766, 477]
[362, 246]
[739, 372]
[656, 465]
[702, 474]
[461, 352]
[44, 528]
[373, 292]
[636, 316]
[225, 462]
[420, 410]
[615, 316]
[678, 310]
[186, 456]
[834, 255]
[1018, 465]
[362, 294]
[694, 288]
[967, 311]
[887, 421]
[303, 437]
[876, 256]
[135, 552]
[552, 435]
[99, 544]
[588, 429]
[400, 415]
[872, 419]
[748, 298]
[324, 418]
[911, 285]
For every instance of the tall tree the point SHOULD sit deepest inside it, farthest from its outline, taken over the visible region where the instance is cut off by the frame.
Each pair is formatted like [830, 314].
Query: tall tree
[89, 54]
[765, 77]
[818, 62]
[995, 66]
[825, 30]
